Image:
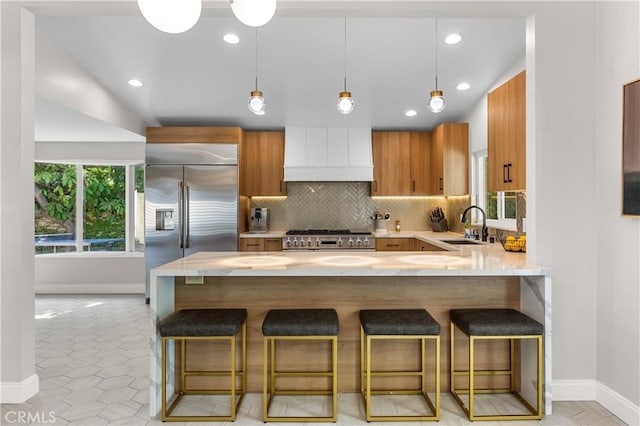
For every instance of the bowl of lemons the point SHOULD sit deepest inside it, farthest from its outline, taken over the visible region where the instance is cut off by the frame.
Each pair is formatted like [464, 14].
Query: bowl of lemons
[514, 244]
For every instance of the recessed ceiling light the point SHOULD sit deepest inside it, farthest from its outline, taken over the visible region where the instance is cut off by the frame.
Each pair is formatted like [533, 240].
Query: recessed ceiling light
[463, 86]
[135, 82]
[231, 38]
[453, 38]
[411, 113]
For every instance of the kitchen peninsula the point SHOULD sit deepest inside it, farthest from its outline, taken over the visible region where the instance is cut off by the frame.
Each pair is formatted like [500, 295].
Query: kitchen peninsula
[478, 275]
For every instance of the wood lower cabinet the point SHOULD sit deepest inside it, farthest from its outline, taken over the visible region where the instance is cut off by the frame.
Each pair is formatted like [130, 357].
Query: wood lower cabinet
[404, 244]
[260, 244]
[263, 164]
[273, 244]
[450, 159]
[419, 245]
[394, 244]
[506, 135]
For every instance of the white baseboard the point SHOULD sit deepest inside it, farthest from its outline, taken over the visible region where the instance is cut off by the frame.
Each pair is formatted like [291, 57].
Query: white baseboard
[574, 390]
[19, 392]
[90, 288]
[592, 390]
[618, 404]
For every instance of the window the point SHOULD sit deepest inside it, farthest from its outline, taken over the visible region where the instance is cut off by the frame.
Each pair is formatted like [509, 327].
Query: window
[99, 216]
[500, 207]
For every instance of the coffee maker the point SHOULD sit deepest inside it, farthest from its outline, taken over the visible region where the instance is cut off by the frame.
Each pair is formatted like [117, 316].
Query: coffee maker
[259, 220]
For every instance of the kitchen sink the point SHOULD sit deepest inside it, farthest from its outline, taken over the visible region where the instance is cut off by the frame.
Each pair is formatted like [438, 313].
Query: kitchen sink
[461, 241]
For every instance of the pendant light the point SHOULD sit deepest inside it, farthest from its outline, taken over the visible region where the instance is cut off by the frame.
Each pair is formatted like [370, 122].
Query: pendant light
[256, 102]
[345, 101]
[171, 16]
[253, 13]
[436, 101]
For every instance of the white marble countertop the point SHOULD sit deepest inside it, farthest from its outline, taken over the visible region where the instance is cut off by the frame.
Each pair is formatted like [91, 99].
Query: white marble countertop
[466, 260]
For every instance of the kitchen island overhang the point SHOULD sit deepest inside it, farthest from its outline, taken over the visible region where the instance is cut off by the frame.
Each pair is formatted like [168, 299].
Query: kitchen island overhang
[384, 278]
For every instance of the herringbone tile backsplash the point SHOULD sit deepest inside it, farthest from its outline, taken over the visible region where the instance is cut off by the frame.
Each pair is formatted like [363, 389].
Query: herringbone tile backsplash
[344, 205]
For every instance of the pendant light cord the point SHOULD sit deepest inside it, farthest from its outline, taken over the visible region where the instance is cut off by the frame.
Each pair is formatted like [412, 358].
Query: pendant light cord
[256, 58]
[345, 53]
[436, 44]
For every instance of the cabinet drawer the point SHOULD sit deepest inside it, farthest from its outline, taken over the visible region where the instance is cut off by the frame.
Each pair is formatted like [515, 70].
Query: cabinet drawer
[393, 244]
[273, 244]
[251, 244]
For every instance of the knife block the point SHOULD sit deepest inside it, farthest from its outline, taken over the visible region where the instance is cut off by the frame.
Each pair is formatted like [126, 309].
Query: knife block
[441, 226]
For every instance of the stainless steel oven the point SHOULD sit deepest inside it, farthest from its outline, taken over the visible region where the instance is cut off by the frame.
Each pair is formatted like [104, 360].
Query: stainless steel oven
[328, 239]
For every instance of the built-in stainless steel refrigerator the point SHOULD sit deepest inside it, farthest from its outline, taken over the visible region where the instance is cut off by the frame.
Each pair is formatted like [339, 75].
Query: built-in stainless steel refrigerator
[191, 201]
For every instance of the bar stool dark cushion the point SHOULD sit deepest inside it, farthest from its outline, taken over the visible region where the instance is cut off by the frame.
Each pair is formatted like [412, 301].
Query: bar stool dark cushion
[399, 322]
[300, 322]
[495, 322]
[203, 322]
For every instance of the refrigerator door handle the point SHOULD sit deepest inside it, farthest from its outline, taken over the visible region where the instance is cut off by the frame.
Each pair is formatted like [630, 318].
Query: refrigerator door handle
[180, 214]
[186, 216]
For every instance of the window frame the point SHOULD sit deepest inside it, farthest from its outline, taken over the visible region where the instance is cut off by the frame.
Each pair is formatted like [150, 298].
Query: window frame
[479, 190]
[130, 209]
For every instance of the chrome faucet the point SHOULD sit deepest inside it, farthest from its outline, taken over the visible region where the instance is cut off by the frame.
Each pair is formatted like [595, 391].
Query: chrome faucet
[485, 231]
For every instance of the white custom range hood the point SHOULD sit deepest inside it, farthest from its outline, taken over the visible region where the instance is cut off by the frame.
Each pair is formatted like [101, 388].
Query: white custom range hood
[314, 154]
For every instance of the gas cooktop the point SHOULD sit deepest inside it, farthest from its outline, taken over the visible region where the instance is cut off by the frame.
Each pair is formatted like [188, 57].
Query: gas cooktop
[327, 232]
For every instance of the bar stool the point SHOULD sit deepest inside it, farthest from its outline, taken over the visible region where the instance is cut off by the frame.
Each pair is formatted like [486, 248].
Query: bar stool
[205, 324]
[305, 325]
[399, 324]
[495, 324]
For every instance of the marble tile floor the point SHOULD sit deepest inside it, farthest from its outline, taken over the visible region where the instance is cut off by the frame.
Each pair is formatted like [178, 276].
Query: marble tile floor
[92, 360]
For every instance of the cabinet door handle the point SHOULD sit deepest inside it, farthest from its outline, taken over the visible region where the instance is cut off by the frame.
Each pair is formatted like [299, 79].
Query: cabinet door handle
[393, 245]
[441, 184]
[281, 187]
[414, 186]
[504, 173]
[253, 245]
[509, 172]
[271, 241]
[375, 186]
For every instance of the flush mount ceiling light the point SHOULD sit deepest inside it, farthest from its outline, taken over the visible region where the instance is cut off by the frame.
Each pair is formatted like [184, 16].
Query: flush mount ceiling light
[436, 100]
[411, 113]
[463, 86]
[345, 101]
[171, 16]
[453, 38]
[231, 38]
[253, 13]
[256, 102]
[134, 82]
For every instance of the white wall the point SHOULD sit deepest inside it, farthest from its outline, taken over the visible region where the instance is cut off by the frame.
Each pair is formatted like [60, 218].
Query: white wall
[618, 238]
[90, 273]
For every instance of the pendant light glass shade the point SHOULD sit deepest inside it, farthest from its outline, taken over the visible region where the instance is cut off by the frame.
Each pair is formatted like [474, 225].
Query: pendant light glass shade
[256, 102]
[345, 103]
[436, 101]
[171, 16]
[253, 13]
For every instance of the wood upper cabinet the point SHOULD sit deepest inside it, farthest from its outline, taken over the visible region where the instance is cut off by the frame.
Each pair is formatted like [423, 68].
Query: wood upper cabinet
[420, 163]
[400, 163]
[263, 162]
[391, 157]
[450, 159]
[506, 134]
